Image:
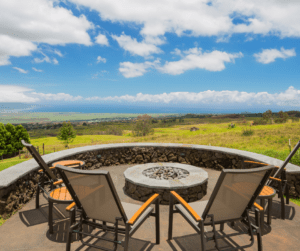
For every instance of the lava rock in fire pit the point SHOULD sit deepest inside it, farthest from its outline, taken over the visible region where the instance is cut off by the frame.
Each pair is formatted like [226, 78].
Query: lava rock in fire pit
[165, 173]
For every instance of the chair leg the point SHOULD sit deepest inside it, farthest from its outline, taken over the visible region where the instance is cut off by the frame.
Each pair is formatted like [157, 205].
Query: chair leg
[222, 227]
[157, 227]
[127, 229]
[287, 193]
[50, 223]
[68, 248]
[262, 216]
[37, 198]
[259, 240]
[170, 218]
[270, 202]
[201, 224]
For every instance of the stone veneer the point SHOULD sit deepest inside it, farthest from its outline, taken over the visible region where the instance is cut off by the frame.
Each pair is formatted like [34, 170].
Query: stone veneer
[18, 183]
[140, 187]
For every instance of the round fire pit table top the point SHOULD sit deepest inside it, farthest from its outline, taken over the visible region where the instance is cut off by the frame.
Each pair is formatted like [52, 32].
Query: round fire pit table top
[197, 176]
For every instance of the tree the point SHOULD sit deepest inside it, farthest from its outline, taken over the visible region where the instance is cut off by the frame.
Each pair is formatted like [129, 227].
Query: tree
[10, 139]
[21, 133]
[2, 139]
[143, 126]
[282, 117]
[268, 115]
[66, 133]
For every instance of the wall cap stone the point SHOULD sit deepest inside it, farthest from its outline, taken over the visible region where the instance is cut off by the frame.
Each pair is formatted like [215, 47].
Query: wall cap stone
[13, 173]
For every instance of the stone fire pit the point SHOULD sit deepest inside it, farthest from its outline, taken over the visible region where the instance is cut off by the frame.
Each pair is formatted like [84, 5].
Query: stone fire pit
[141, 181]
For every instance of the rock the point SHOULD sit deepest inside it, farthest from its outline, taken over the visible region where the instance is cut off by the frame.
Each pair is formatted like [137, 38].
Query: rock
[131, 188]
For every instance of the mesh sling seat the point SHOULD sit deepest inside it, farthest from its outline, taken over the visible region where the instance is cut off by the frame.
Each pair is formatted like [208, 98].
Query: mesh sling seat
[232, 198]
[96, 198]
[277, 184]
[56, 195]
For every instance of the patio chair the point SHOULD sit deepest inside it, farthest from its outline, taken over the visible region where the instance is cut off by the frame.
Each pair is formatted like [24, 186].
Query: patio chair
[55, 195]
[277, 184]
[232, 198]
[96, 198]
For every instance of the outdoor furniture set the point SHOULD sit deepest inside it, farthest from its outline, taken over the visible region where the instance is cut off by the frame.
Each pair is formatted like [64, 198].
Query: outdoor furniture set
[93, 195]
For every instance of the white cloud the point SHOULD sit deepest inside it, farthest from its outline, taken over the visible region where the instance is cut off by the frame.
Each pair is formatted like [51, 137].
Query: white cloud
[12, 93]
[57, 52]
[102, 39]
[20, 70]
[54, 60]
[24, 24]
[131, 70]
[144, 48]
[10, 46]
[56, 97]
[36, 70]
[194, 58]
[269, 55]
[291, 97]
[45, 59]
[100, 59]
[198, 18]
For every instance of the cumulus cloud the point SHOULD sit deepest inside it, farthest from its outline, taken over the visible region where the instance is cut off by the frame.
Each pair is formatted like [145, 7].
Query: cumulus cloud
[20, 70]
[269, 55]
[35, 69]
[291, 97]
[14, 47]
[24, 24]
[194, 58]
[56, 97]
[102, 39]
[144, 48]
[131, 70]
[203, 17]
[12, 93]
[100, 59]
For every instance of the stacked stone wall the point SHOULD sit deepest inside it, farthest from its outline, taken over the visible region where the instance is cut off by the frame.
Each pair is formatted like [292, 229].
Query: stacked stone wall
[24, 189]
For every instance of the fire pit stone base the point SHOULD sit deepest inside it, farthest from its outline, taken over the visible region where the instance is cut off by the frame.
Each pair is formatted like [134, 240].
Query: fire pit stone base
[140, 187]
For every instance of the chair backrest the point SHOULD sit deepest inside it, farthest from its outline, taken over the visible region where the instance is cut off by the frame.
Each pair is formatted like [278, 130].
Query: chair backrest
[287, 159]
[39, 160]
[94, 193]
[236, 191]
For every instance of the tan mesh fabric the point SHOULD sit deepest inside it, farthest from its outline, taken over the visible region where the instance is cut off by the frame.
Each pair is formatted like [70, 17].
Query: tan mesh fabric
[234, 195]
[95, 195]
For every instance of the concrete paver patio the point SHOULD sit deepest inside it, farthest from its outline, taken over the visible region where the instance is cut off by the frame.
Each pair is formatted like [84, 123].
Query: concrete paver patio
[28, 229]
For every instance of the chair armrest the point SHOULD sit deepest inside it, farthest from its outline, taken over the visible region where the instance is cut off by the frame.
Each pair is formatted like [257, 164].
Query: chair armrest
[260, 208]
[275, 179]
[58, 182]
[68, 208]
[143, 208]
[41, 170]
[186, 206]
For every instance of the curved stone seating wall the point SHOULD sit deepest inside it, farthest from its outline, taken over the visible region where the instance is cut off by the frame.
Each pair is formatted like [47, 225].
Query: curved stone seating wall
[18, 183]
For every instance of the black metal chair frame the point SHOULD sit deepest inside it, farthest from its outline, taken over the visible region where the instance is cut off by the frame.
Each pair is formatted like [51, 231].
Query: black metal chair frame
[41, 184]
[84, 219]
[244, 218]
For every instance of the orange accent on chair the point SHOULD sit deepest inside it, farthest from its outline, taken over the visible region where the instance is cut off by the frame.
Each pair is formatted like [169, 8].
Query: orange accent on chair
[70, 163]
[258, 206]
[186, 205]
[68, 208]
[142, 209]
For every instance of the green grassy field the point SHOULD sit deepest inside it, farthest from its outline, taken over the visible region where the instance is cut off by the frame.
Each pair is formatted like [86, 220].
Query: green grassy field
[29, 117]
[271, 140]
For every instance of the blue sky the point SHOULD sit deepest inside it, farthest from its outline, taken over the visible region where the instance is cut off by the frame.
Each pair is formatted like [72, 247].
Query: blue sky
[225, 56]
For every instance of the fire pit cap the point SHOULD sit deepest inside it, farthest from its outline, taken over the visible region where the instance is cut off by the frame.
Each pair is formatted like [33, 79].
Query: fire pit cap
[135, 175]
